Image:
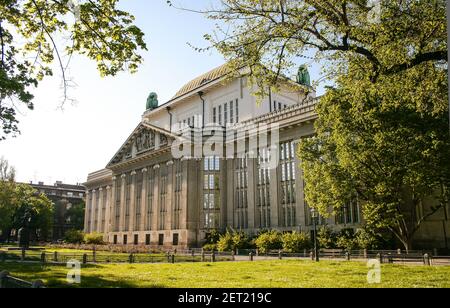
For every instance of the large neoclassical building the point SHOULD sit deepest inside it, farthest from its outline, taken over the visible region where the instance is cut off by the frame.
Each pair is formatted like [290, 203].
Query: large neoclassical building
[147, 195]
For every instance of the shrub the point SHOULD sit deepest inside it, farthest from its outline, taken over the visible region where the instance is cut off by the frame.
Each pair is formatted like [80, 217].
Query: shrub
[296, 242]
[213, 237]
[94, 239]
[269, 241]
[326, 238]
[210, 247]
[225, 242]
[230, 241]
[74, 237]
[346, 240]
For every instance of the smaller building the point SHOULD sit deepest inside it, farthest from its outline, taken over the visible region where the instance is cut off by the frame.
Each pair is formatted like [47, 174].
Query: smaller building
[63, 196]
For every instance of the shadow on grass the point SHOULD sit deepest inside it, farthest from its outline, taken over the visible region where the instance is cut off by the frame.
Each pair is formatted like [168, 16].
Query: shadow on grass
[55, 276]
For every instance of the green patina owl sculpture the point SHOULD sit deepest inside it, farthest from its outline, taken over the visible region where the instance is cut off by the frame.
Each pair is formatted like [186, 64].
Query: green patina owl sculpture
[152, 101]
[303, 76]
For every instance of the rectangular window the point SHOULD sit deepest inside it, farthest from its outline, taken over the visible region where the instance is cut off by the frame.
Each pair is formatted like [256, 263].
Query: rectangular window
[220, 115]
[274, 105]
[175, 239]
[215, 115]
[136, 239]
[161, 240]
[225, 112]
[231, 113]
[115, 240]
[237, 110]
[279, 106]
[147, 239]
[125, 239]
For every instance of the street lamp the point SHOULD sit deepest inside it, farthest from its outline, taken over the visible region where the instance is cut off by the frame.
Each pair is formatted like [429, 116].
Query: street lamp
[314, 215]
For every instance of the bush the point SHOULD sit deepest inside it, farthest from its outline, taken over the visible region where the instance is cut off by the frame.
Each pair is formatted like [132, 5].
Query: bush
[74, 237]
[346, 240]
[326, 238]
[296, 242]
[210, 247]
[213, 237]
[230, 241]
[94, 239]
[269, 241]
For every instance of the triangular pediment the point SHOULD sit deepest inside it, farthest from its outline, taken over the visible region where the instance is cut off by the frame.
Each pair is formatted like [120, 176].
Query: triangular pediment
[146, 138]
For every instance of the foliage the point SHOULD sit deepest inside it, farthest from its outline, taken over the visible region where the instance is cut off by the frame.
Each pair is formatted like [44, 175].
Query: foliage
[346, 240]
[271, 240]
[296, 242]
[213, 237]
[326, 238]
[7, 173]
[75, 215]
[94, 239]
[210, 247]
[230, 241]
[74, 236]
[30, 32]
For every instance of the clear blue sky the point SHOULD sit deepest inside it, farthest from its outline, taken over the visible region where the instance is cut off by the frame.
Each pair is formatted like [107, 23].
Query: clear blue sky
[67, 144]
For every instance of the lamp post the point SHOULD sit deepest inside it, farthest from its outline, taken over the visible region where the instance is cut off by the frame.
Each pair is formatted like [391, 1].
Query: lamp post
[316, 246]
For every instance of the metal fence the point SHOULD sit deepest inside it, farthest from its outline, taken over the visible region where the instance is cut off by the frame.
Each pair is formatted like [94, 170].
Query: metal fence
[8, 282]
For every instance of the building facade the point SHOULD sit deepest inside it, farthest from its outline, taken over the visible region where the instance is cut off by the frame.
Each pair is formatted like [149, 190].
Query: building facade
[147, 195]
[63, 196]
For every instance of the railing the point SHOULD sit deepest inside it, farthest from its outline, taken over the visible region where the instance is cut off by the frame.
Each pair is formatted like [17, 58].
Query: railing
[8, 282]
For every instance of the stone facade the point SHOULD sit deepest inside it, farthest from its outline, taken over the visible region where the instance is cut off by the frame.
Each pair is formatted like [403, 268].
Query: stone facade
[146, 196]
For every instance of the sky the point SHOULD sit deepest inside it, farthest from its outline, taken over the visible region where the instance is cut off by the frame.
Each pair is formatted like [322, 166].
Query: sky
[66, 143]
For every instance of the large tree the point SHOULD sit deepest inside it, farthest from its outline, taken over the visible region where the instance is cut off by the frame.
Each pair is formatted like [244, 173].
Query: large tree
[36, 33]
[7, 189]
[382, 132]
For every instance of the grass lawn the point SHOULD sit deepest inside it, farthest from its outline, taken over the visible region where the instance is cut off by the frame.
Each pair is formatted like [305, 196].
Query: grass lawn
[265, 274]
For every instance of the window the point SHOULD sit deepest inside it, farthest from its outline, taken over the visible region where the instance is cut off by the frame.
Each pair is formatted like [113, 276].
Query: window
[163, 198]
[138, 195]
[211, 193]
[115, 240]
[274, 105]
[118, 203]
[279, 106]
[288, 169]
[237, 110]
[69, 194]
[136, 239]
[150, 194]
[125, 239]
[175, 239]
[231, 113]
[147, 239]
[178, 192]
[161, 240]
[225, 112]
[263, 189]
[241, 188]
[220, 115]
[215, 115]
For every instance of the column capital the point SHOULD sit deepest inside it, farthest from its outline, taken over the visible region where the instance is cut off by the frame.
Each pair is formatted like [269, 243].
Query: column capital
[108, 187]
[114, 178]
[144, 170]
[123, 176]
[133, 172]
[94, 191]
[100, 189]
[155, 167]
[169, 163]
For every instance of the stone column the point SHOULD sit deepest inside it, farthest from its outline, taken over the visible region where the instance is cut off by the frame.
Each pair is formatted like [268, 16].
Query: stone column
[143, 204]
[100, 210]
[169, 196]
[156, 197]
[252, 178]
[112, 216]
[93, 207]
[107, 226]
[86, 212]
[122, 202]
[132, 222]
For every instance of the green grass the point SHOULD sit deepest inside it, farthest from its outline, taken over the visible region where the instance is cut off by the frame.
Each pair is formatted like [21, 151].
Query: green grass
[265, 274]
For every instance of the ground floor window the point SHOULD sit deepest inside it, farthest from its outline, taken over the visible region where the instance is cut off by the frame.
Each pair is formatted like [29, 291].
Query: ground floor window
[147, 239]
[125, 239]
[136, 239]
[115, 239]
[175, 239]
[161, 240]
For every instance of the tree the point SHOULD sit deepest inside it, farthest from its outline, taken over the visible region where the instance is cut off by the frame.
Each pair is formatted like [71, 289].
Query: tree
[7, 190]
[74, 237]
[385, 144]
[38, 206]
[75, 215]
[30, 32]
[7, 173]
[271, 36]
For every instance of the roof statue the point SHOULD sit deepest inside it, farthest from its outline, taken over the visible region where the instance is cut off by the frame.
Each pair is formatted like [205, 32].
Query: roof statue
[152, 101]
[303, 76]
